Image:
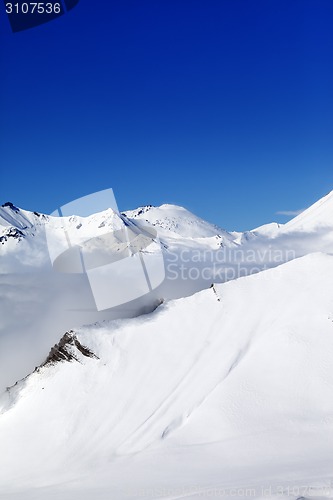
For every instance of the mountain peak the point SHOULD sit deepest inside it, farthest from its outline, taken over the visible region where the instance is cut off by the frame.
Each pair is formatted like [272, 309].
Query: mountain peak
[177, 221]
[9, 204]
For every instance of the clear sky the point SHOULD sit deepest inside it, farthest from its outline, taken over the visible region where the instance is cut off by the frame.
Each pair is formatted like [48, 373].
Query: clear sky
[222, 106]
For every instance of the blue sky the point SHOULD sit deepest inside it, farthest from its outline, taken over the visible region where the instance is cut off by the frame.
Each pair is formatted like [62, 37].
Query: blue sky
[225, 107]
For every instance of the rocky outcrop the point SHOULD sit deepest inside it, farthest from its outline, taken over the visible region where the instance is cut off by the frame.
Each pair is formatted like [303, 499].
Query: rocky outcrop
[68, 349]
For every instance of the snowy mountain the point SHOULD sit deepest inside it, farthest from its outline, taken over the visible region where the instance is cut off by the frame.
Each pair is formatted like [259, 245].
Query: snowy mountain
[32, 229]
[196, 381]
[174, 221]
[41, 261]
[187, 388]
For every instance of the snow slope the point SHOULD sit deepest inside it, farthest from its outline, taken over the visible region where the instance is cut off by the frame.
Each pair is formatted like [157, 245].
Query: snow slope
[11, 216]
[195, 254]
[175, 221]
[36, 291]
[219, 390]
[228, 388]
[318, 216]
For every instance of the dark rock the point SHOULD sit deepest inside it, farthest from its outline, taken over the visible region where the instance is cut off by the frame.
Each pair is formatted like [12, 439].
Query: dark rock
[10, 205]
[11, 233]
[65, 350]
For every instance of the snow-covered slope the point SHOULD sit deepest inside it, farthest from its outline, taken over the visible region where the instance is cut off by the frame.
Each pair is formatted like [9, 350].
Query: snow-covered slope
[229, 388]
[11, 216]
[175, 221]
[195, 254]
[34, 289]
[267, 229]
[317, 217]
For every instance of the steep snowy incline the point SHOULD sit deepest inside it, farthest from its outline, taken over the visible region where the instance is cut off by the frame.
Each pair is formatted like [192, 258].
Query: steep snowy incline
[318, 216]
[11, 216]
[184, 395]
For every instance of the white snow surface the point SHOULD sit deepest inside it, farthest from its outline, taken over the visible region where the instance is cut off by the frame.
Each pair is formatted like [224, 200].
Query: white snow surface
[220, 393]
[229, 387]
[175, 221]
[195, 253]
[318, 216]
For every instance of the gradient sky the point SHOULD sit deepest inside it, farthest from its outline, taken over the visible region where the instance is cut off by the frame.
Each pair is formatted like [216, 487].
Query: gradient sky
[224, 107]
